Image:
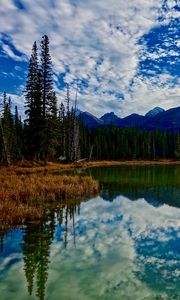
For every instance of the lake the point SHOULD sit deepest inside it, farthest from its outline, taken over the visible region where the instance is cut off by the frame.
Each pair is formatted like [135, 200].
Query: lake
[122, 244]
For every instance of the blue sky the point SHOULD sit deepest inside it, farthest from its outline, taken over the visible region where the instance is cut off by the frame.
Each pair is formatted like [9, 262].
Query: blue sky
[124, 54]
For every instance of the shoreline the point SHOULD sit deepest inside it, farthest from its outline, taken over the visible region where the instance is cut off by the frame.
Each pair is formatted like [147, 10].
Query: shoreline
[22, 185]
[25, 197]
[26, 168]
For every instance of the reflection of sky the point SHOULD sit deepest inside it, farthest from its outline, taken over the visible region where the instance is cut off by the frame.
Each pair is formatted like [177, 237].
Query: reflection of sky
[124, 250]
[132, 248]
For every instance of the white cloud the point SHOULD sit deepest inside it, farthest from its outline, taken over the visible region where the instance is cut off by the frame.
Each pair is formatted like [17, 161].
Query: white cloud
[150, 92]
[9, 52]
[97, 41]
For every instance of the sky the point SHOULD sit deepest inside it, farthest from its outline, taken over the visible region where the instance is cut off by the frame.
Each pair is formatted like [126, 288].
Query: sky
[123, 55]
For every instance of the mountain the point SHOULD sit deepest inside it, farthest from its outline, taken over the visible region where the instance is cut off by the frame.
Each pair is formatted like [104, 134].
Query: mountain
[166, 120]
[153, 112]
[109, 118]
[155, 118]
[134, 120]
[91, 121]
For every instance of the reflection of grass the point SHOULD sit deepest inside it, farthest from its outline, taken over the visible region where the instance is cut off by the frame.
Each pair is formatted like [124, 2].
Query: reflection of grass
[159, 182]
[33, 168]
[139, 176]
[23, 197]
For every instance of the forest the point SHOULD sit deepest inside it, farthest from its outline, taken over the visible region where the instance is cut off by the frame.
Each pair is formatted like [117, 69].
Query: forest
[53, 132]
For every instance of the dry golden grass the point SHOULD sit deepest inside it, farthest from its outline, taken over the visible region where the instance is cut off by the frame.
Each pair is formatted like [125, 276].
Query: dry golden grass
[129, 162]
[23, 196]
[12, 213]
[27, 167]
[26, 187]
[31, 168]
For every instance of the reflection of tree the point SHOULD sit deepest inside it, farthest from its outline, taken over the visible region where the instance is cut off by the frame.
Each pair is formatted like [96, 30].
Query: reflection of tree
[37, 242]
[36, 250]
[66, 212]
[1, 241]
[154, 183]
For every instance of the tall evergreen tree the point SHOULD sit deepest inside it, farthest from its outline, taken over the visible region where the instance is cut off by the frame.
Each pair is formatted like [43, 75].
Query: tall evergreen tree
[49, 101]
[34, 106]
[18, 136]
[46, 76]
[7, 131]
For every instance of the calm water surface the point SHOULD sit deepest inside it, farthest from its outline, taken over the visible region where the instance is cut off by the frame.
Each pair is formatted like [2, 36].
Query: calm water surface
[122, 244]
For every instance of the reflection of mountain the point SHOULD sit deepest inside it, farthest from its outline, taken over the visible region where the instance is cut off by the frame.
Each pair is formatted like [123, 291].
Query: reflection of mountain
[155, 197]
[156, 184]
[37, 242]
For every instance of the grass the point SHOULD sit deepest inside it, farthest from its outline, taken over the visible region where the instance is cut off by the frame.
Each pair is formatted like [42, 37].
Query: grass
[27, 167]
[23, 197]
[26, 187]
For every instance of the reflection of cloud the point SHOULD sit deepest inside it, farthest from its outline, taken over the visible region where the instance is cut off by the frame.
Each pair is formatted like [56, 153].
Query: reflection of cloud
[122, 250]
[108, 240]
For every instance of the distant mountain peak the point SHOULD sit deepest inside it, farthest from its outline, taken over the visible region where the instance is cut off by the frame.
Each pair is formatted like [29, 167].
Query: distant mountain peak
[109, 117]
[155, 118]
[155, 111]
[90, 120]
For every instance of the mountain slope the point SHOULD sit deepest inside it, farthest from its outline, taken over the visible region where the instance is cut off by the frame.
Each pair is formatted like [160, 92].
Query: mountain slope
[153, 112]
[91, 121]
[156, 118]
[109, 117]
[134, 120]
[167, 120]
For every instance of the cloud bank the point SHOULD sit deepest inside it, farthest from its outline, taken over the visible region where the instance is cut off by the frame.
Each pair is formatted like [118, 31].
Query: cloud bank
[124, 54]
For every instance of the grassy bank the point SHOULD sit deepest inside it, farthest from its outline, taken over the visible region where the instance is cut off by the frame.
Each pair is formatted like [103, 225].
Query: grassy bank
[23, 197]
[34, 168]
[27, 187]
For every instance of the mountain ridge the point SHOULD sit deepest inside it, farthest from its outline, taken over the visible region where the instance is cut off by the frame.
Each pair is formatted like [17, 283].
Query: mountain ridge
[155, 118]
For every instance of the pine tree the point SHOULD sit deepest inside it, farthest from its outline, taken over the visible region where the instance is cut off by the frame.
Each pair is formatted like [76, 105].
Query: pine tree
[18, 136]
[46, 75]
[33, 122]
[7, 130]
[49, 102]
[177, 147]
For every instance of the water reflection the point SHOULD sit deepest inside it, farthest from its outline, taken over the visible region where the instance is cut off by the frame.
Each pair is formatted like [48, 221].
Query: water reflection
[36, 246]
[37, 242]
[157, 184]
[100, 249]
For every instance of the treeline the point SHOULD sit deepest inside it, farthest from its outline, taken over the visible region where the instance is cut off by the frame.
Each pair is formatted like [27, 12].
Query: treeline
[59, 139]
[129, 143]
[52, 132]
[11, 132]
[48, 132]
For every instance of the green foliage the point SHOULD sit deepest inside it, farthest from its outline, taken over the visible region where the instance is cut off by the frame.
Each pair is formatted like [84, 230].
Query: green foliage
[129, 143]
[10, 134]
[49, 133]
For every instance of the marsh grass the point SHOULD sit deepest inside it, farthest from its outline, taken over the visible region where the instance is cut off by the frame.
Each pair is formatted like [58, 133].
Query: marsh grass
[23, 197]
[27, 187]
[27, 167]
